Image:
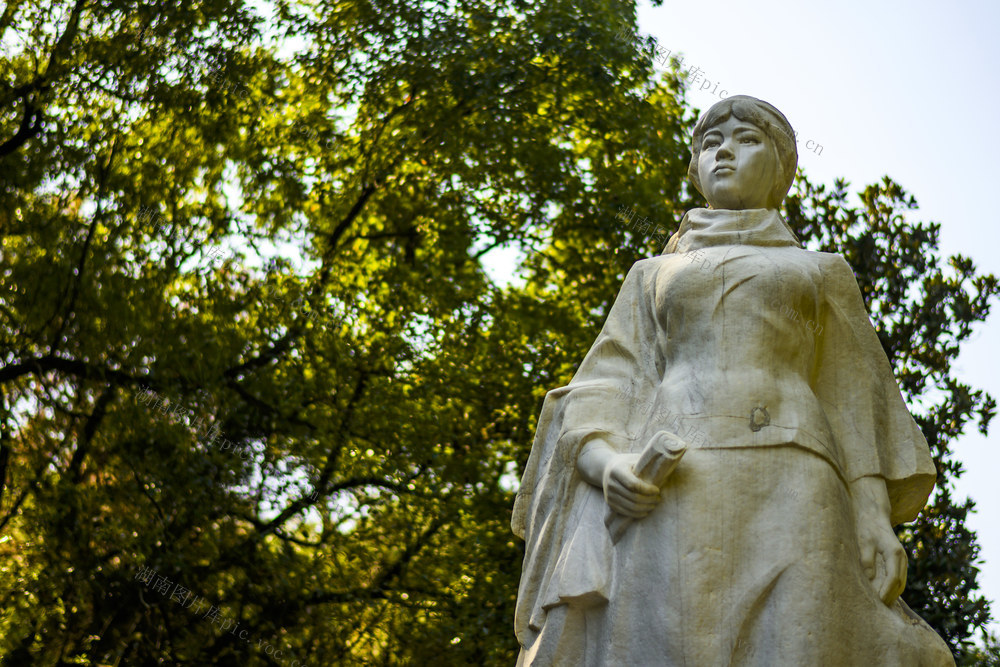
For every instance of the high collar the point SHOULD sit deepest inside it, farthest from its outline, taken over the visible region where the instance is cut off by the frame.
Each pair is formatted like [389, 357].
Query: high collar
[703, 227]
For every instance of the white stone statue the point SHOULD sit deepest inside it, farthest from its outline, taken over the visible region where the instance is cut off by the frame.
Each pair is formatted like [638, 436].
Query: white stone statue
[745, 372]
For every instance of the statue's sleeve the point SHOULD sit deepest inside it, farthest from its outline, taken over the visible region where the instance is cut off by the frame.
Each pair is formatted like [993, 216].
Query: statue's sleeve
[873, 428]
[559, 515]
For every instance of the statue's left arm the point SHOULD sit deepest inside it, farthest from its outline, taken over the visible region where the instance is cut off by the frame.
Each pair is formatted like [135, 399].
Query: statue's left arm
[886, 460]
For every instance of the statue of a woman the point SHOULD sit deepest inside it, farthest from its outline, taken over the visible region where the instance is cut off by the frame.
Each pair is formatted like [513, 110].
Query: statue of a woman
[771, 542]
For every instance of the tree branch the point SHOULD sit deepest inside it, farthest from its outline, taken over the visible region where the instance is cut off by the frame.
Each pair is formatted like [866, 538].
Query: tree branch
[4, 457]
[51, 362]
[376, 590]
[280, 347]
[89, 430]
[31, 122]
[30, 127]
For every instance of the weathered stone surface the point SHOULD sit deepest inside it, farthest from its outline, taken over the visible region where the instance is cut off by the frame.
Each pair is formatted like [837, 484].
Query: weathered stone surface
[771, 541]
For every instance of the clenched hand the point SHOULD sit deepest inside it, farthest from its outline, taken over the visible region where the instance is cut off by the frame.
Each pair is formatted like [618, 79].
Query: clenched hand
[882, 557]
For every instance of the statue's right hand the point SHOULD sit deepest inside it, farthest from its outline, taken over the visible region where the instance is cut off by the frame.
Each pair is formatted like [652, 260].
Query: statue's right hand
[624, 492]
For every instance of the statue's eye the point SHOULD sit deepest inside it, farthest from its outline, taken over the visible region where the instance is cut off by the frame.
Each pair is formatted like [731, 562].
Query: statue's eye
[749, 139]
[710, 143]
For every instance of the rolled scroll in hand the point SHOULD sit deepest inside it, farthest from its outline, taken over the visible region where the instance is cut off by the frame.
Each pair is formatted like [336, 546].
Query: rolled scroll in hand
[658, 459]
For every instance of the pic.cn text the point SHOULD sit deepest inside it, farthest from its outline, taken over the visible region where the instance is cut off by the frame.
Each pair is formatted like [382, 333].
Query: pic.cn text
[693, 75]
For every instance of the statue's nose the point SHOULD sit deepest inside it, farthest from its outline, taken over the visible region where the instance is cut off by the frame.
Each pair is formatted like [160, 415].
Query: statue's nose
[725, 150]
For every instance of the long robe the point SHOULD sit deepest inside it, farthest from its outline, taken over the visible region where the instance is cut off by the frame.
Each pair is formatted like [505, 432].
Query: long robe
[762, 356]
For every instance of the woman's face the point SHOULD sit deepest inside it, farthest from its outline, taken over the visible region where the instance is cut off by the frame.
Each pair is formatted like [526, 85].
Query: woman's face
[737, 165]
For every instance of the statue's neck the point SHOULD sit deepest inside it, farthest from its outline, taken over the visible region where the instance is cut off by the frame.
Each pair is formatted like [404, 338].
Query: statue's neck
[702, 227]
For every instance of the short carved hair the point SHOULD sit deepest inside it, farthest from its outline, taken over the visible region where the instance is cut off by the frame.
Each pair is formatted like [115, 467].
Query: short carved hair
[763, 116]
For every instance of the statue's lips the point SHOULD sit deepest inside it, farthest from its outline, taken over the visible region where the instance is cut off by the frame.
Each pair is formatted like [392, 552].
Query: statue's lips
[724, 169]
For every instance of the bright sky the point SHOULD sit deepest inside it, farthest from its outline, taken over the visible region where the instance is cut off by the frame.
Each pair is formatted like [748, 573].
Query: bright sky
[884, 87]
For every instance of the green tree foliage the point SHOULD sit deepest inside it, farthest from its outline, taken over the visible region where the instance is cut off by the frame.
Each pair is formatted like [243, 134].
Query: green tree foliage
[321, 445]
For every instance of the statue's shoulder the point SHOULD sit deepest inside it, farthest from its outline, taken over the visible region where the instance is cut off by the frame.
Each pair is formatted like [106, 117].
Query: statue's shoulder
[646, 266]
[832, 263]
[656, 262]
[641, 275]
[649, 263]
